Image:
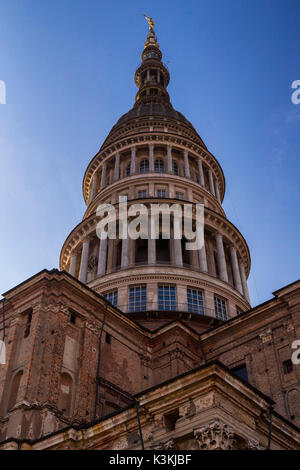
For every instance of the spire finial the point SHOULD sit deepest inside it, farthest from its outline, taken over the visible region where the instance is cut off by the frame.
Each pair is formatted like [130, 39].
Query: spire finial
[150, 22]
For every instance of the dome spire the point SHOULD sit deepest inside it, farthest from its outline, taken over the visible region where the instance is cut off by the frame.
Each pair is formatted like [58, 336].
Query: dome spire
[150, 22]
[151, 38]
[152, 77]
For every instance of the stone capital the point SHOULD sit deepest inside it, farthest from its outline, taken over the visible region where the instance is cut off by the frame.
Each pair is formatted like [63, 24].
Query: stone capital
[215, 436]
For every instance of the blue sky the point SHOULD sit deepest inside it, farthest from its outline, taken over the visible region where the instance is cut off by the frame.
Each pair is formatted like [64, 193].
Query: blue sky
[68, 66]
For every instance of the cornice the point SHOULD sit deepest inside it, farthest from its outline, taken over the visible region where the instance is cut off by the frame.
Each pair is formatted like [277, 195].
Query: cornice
[149, 178]
[167, 274]
[179, 142]
[213, 220]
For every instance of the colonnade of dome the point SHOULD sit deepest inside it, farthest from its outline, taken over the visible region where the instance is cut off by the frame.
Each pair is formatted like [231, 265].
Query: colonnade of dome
[153, 155]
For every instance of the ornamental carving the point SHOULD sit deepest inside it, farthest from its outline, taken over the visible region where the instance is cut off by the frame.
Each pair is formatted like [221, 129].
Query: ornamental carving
[266, 336]
[215, 436]
[92, 263]
[253, 444]
[168, 445]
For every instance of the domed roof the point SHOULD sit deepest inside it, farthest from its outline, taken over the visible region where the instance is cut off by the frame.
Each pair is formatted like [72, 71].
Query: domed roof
[153, 109]
[152, 99]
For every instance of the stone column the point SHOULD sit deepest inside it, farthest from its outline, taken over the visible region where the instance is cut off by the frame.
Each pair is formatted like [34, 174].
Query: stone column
[221, 258]
[177, 246]
[151, 158]
[182, 302]
[236, 270]
[133, 161]
[117, 167]
[170, 165]
[187, 172]
[211, 182]
[218, 192]
[84, 260]
[102, 257]
[103, 176]
[200, 172]
[73, 263]
[151, 246]
[203, 259]
[94, 189]
[125, 253]
[244, 281]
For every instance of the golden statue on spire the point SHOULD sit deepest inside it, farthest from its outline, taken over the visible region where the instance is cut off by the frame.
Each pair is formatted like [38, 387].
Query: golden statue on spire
[150, 22]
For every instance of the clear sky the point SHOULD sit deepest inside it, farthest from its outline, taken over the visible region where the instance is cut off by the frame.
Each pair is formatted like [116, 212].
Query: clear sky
[68, 66]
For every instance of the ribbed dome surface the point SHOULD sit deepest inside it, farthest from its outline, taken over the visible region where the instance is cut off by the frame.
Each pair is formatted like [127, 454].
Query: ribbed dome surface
[153, 109]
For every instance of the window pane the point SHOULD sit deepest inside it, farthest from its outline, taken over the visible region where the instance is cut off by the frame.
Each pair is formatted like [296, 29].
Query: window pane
[166, 297]
[137, 298]
[195, 301]
[144, 166]
[241, 371]
[288, 366]
[159, 166]
[220, 309]
[112, 297]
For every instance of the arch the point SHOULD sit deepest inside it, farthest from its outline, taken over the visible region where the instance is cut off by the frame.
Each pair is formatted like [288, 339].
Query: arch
[65, 393]
[14, 389]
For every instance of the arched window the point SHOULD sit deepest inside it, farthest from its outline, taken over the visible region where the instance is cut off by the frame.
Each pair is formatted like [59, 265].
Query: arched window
[175, 167]
[144, 166]
[128, 170]
[65, 394]
[159, 166]
[15, 385]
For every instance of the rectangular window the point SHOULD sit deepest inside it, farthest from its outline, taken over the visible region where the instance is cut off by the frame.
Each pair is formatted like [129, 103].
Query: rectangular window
[142, 194]
[179, 196]
[195, 301]
[166, 297]
[287, 366]
[238, 310]
[161, 193]
[112, 297]
[220, 309]
[241, 372]
[137, 298]
[28, 314]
